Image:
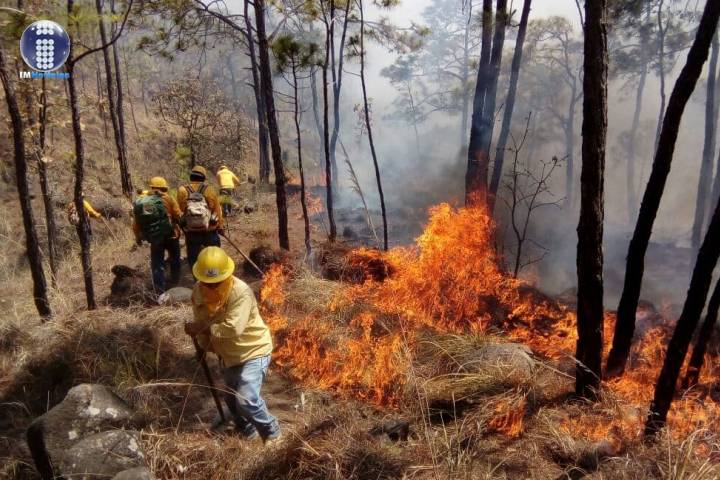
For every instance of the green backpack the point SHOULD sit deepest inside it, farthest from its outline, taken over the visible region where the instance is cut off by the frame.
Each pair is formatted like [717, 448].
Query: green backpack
[152, 217]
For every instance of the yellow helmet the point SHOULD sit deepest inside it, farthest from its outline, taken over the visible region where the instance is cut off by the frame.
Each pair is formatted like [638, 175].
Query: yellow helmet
[158, 182]
[213, 265]
[199, 171]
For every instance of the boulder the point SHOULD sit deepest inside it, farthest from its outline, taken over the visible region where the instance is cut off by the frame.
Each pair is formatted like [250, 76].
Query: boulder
[250, 207]
[175, 296]
[263, 256]
[87, 409]
[129, 286]
[137, 473]
[103, 455]
[513, 357]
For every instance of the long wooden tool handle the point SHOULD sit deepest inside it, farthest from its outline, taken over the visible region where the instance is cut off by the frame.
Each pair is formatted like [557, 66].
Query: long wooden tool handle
[262, 274]
[208, 375]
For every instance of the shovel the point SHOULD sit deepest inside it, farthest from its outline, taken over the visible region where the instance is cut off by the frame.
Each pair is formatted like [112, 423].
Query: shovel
[200, 353]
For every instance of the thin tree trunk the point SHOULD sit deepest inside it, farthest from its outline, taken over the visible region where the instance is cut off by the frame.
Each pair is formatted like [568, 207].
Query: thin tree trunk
[303, 199]
[466, 76]
[369, 125]
[263, 135]
[661, 71]
[476, 175]
[684, 86]
[316, 106]
[509, 104]
[32, 244]
[119, 105]
[46, 190]
[692, 309]
[590, 228]
[326, 124]
[129, 91]
[692, 376]
[705, 179]
[337, 86]
[501, 19]
[630, 180]
[124, 174]
[267, 88]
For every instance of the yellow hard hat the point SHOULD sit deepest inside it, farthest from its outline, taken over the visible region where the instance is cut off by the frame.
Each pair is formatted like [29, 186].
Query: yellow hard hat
[158, 182]
[199, 170]
[213, 265]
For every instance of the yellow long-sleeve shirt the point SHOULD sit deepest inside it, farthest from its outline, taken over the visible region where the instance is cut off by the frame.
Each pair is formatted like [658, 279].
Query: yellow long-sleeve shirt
[211, 197]
[227, 179]
[89, 210]
[237, 332]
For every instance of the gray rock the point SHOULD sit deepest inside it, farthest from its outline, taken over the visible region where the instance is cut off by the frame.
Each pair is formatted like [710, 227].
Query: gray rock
[87, 409]
[103, 455]
[175, 295]
[250, 207]
[508, 356]
[137, 473]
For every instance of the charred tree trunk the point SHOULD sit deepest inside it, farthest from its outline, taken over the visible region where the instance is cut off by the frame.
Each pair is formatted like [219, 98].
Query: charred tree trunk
[267, 89]
[112, 105]
[501, 18]
[303, 199]
[477, 169]
[692, 376]
[705, 180]
[32, 244]
[326, 123]
[119, 105]
[509, 104]
[47, 195]
[316, 106]
[337, 86]
[590, 228]
[685, 85]
[263, 146]
[692, 309]
[368, 124]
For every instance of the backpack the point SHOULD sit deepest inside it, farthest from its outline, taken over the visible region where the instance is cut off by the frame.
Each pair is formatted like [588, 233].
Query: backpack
[197, 214]
[152, 217]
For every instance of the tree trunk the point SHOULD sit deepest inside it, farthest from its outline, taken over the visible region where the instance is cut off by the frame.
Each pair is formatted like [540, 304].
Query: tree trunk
[661, 71]
[684, 86]
[590, 228]
[509, 104]
[692, 309]
[47, 194]
[476, 175]
[630, 180]
[368, 124]
[466, 76]
[129, 90]
[267, 88]
[316, 106]
[692, 376]
[326, 124]
[337, 86]
[705, 180]
[112, 106]
[263, 146]
[125, 166]
[303, 199]
[32, 244]
[570, 153]
[501, 19]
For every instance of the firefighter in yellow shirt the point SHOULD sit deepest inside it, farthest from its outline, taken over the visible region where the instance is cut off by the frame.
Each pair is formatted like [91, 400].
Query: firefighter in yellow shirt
[227, 181]
[89, 212]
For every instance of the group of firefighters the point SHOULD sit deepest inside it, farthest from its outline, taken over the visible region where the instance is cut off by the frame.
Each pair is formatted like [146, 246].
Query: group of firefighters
[227, 320]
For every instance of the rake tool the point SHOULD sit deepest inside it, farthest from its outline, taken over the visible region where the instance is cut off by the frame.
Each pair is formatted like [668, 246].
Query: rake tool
[211, 383]
[262, 274]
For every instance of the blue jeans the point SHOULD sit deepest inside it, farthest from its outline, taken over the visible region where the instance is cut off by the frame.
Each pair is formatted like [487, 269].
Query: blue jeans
[157, 262]
[244, 401]
[196, 241]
